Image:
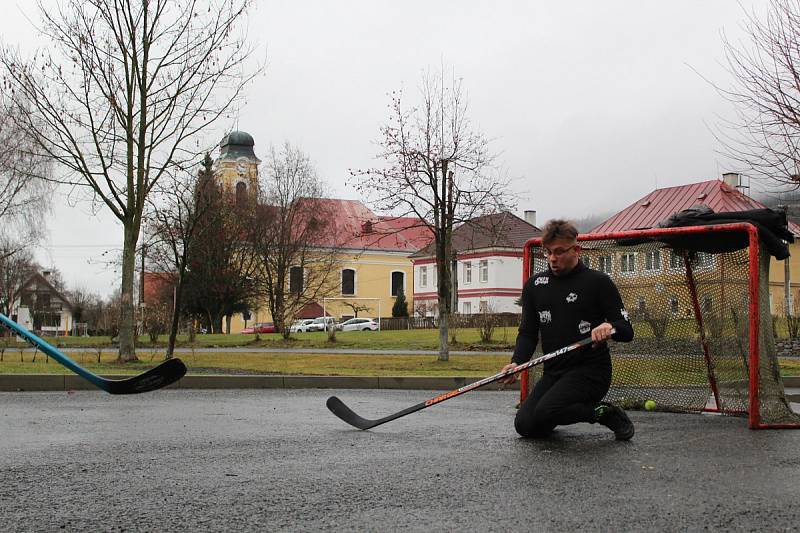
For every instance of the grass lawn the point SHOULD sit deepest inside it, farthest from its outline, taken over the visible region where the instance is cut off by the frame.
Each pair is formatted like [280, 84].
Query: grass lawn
[306, 364]
[480, 365]
[415, 339]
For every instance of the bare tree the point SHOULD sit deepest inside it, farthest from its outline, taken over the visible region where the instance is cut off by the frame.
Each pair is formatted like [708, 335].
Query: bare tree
[24, 197]
[294, 238]
[356, 307]
[439, 169]
[120, 97]
[182, 213]
[16, 266]
[765, 135]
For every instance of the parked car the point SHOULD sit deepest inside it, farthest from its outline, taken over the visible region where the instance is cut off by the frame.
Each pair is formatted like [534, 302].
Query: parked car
[260, 327]
[322, 323]
[358, 324]
[301, 325]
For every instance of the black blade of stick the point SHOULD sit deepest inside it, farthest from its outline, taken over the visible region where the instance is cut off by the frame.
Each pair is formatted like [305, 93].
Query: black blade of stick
[164, 374]
[338, 407]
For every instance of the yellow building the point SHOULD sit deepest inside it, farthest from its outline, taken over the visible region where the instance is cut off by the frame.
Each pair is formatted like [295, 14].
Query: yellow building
[372, 263]
[372, 253]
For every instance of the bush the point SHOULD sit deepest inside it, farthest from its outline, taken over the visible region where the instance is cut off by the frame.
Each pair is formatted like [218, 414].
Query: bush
[486, 321]
[400, 307]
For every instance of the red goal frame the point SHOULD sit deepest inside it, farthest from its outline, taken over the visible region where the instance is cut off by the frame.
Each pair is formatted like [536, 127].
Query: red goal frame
[754, 419]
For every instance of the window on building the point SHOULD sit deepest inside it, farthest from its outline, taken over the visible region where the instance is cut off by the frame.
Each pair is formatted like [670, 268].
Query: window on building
[708, 304]
[675, 259]
[423, 276]
[604, 264]
[51, 320]
[483, 306]
[296, 279]
[484, 269]
[241, 193]
[703, 259]
[348, 281]
[587, 261]
[398, 282]
[434, 276]
[466, 308]
[641, 303]
[468, 272]
[627, 263]
[673, 305]
[652, 260]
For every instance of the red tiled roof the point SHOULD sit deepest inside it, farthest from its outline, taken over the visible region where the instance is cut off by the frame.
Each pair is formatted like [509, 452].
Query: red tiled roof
[354, 225]
[661, 203]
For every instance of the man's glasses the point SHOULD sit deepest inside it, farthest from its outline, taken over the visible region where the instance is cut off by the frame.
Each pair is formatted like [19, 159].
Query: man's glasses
[558, 252]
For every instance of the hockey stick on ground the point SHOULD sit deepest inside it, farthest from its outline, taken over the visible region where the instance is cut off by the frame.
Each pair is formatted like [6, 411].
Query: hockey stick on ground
[167, 372]
[338, 407]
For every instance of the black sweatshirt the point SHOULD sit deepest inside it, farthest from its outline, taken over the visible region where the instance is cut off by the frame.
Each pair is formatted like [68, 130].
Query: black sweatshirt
[564, 309]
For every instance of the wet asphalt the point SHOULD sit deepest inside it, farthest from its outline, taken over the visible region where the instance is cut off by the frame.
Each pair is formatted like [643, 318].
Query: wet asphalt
[277, 460]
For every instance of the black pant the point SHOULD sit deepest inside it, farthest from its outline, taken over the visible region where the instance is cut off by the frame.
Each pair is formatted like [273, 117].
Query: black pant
[563, 398]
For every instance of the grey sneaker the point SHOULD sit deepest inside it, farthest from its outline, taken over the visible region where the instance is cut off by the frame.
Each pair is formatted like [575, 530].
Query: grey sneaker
[616, 420]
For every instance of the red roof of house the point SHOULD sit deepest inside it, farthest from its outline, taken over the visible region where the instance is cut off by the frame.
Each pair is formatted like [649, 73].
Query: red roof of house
[354, 225]
[661, 203]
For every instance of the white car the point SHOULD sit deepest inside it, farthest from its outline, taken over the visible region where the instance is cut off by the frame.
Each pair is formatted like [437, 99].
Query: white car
[358, 324]
[301, 325]
[322, 323]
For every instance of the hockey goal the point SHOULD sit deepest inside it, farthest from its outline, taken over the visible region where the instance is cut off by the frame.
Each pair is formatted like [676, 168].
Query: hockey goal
[698, 298]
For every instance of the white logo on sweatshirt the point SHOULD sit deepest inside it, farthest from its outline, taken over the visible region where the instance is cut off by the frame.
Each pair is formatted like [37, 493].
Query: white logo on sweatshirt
[624, 314]
[571, 297]
[544, 280]
[584, 327]
[545, 317]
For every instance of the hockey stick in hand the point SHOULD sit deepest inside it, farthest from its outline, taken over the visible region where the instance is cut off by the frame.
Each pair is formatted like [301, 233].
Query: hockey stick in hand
[338, 407]
[167, 372]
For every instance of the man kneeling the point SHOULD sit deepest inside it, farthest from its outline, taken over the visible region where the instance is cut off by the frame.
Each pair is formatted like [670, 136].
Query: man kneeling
[564, 304]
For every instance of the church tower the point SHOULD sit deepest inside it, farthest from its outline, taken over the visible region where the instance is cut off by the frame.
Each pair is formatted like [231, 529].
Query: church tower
[236, 169]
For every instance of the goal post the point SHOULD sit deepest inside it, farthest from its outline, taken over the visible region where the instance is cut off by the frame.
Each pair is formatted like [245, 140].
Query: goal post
[698, 299]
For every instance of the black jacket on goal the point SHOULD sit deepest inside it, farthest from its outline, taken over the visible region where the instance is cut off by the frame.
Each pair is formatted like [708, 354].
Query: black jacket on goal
[563, 310]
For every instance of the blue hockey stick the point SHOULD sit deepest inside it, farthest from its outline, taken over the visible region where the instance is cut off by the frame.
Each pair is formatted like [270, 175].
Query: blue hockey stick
[164, 374]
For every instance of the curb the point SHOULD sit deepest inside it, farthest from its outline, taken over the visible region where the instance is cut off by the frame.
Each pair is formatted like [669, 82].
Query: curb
[69, 382]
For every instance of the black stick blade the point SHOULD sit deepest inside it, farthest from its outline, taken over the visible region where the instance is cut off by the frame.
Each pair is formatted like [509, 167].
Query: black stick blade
[164, 374]
[338, 408]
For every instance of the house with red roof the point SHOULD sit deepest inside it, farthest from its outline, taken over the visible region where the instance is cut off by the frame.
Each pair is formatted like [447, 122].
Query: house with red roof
[373, 261]
[372, 252]
[721, 195]
[488, 273]
[374, 257]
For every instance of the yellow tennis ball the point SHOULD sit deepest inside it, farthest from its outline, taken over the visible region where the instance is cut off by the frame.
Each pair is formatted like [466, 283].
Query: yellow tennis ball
[650, 405]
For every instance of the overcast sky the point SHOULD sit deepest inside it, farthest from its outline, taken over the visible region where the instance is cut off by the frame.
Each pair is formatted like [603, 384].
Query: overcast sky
[590, 104]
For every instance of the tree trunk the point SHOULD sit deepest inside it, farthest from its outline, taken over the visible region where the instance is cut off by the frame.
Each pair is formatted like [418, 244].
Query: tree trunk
[127, 326]
[216, 323]
[444, 349]
[176, 313]
[228, 324]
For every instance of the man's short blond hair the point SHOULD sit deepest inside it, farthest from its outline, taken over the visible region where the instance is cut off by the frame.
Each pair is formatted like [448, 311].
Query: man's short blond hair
[559, 229]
